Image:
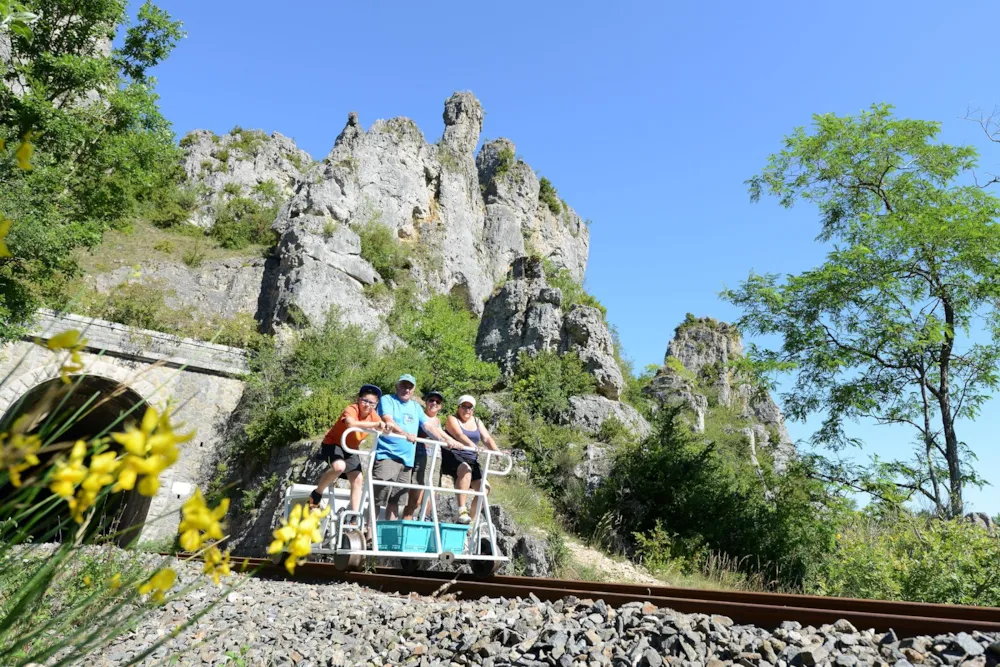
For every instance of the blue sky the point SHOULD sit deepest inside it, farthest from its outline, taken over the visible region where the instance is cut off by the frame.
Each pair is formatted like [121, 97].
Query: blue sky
[647, 116]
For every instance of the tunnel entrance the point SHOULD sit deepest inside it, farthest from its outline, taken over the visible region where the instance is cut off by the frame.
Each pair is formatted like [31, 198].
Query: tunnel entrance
[92, 404]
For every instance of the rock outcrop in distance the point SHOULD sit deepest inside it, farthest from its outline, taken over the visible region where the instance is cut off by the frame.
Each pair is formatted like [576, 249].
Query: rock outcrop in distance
[698, 375]
[526, 315]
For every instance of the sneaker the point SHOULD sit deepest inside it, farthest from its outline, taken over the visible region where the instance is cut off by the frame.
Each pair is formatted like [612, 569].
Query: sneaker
[463, 516]
[314, 500]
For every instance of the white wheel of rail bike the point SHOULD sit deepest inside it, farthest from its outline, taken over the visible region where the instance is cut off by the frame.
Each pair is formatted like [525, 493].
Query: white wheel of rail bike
[413, 542]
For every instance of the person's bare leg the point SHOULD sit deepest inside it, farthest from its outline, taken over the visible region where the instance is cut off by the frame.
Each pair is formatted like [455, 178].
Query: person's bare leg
[330, 476]
[357, 487]
[463, 476]
[413, 500]
[476, 486]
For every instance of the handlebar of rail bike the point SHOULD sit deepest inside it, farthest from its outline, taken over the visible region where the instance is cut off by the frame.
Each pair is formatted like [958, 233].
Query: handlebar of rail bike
[426, 441]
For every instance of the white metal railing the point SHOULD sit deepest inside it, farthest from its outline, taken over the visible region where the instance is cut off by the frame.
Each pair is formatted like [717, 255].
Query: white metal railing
[435, 447]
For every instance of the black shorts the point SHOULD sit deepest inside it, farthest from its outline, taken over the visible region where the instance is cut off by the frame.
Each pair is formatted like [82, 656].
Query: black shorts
[450, 463]
[331, 453]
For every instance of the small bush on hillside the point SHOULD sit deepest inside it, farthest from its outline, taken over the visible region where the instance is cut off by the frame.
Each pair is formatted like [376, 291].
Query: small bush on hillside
[221, 154]
[505, 160]
[268, 190]
[171, 206]
[547, 195]
[905, 557]
[232, 189]
[243, 221]
[543, 382]
[572, 290]
[248, 142]
[188, 140]
[381, 248]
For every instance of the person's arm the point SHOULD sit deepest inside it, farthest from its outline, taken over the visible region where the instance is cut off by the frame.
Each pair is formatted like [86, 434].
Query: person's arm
[487, 439]
[358, 423]
[390, 423]
[455, 429]
[442, 434]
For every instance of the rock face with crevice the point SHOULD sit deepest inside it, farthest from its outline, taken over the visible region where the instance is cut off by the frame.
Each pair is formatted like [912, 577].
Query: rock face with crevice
[699, 375]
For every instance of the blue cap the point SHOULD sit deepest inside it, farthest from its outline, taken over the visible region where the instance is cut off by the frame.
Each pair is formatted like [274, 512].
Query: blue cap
[369, 389]
[406, 377]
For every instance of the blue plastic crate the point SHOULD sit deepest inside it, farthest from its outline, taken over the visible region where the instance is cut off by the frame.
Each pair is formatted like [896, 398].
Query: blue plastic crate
[408, 536]
[453, 537]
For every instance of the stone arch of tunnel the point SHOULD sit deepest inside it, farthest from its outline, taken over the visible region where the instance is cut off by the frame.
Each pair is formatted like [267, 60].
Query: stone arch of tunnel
[93, 403]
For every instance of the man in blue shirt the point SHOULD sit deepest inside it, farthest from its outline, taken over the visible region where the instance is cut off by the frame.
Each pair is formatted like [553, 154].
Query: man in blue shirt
[393, 454]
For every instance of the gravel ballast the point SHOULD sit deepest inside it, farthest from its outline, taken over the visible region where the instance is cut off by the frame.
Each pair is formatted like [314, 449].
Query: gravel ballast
[267, 622]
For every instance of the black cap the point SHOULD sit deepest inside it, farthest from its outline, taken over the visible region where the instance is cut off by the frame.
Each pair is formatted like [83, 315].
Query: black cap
[369, 389]
[434, 393]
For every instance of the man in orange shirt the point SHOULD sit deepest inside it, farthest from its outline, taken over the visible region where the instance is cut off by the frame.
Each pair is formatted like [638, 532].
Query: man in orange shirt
[360, 414]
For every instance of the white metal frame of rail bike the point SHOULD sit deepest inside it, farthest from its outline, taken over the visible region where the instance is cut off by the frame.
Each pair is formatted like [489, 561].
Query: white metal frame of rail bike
[347, 542]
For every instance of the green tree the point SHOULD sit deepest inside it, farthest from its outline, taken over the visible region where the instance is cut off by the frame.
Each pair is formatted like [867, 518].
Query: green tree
[899, 324]
[101, 146]
[443, 333]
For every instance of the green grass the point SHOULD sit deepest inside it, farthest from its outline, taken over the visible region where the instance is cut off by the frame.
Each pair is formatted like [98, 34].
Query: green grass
[146, 242]
[528, 505]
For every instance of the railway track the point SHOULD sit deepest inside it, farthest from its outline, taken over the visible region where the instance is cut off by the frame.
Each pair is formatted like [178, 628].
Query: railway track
[766, 610]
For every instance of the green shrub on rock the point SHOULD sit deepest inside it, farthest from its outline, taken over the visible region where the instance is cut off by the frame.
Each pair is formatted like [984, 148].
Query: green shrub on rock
[242, 221]
[382, 249]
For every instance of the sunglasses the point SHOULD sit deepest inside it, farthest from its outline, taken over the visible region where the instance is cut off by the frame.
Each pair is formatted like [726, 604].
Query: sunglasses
[369, 403]
[466, 406]
[434, 400]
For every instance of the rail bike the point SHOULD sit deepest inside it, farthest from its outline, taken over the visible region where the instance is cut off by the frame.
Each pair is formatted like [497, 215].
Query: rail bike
[351, 537]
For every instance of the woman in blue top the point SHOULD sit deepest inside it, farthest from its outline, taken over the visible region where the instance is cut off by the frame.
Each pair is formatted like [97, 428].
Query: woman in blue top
[462, 464]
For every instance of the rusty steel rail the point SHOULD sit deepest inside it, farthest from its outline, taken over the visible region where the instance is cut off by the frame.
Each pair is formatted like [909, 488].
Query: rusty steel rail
[763, 609]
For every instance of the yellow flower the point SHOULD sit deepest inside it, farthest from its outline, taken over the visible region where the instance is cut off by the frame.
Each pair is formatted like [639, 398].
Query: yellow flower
[81, 485]
[4, 228]
[217, 564]
[69, 473]
[86, 580]
[70, 341]
[159, 583]
[23, 153]
[18, 452]
[297, 534]
[199, 523]
[116, 581]
[150, 449]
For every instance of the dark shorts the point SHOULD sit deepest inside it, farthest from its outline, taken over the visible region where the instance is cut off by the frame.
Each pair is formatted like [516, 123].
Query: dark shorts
[419, 475]
[331, 453]
[450, 463]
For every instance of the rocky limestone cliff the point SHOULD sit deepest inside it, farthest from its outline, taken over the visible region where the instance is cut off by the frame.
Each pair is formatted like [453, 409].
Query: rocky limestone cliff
[526, 315]
[465, 222]
[697, 374]
[243, 163]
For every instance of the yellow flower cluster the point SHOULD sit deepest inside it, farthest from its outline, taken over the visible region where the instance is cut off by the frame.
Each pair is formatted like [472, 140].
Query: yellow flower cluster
[18, 451]
[216, 564]
[159, 584]
[24, 151]
[80, 484]
[201, 524]
[150, 449]
[70, 341]
[5, 224]
[297, 534]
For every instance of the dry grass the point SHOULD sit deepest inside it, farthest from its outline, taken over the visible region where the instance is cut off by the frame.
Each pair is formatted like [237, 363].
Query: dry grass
[145, 243]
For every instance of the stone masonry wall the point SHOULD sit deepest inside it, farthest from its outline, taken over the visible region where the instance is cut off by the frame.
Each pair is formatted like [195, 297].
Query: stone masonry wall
[201, 378]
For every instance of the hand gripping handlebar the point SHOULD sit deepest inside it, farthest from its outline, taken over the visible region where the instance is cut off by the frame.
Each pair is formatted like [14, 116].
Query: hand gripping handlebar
[425, 441]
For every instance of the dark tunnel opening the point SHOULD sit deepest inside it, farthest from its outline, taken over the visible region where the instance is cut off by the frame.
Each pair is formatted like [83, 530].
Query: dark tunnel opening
[93, 404]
